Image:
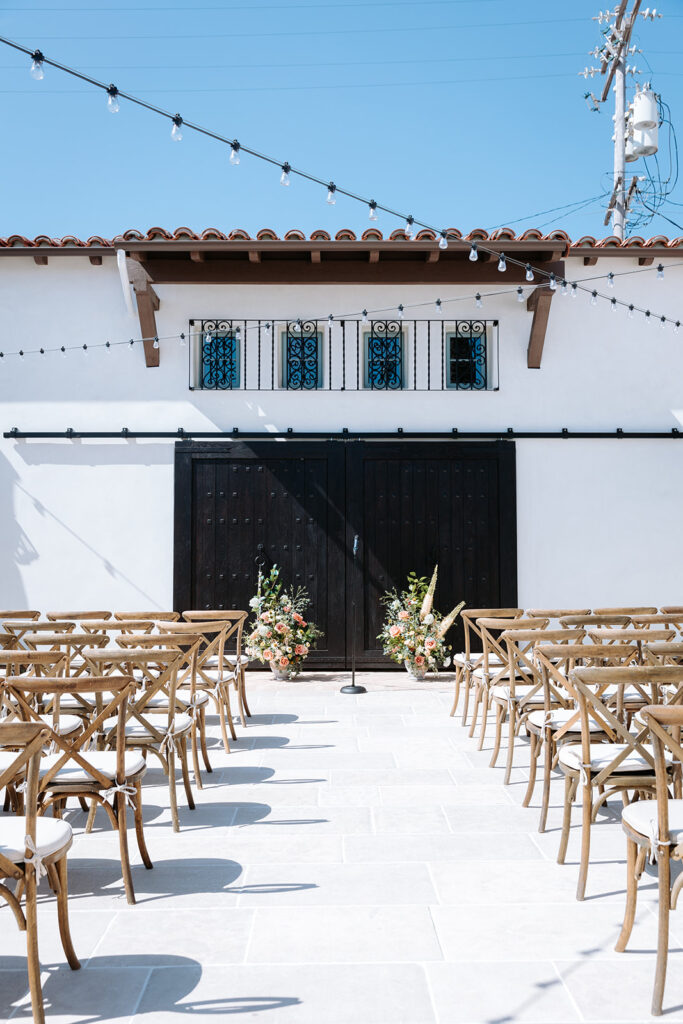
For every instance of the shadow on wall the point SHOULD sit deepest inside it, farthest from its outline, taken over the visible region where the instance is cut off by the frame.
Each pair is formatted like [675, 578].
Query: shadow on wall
[17, 550]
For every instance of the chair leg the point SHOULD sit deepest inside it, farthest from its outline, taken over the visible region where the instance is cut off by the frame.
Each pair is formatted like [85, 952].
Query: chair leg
[485, 706]
[243, 691]
[467, 682]
[631, 896]
[500, 712]
[202, 740]
[91, 817]
[63, 914]
[475, 709]
[456, 694]
[228, 710]
[569, 791]
[664, 872]
[32, 949]
[139, 829]
[186, 775]
[533, 756]
[587, 814]
[547, 768]
[195, 755]
[123, 847]
[173, 796]
[512, 728]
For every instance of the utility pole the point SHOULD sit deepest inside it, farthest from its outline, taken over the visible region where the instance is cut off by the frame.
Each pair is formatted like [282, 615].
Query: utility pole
[614, 54]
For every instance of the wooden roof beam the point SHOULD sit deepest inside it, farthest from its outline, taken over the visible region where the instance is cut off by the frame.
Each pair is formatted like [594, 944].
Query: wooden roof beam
[538, 303]
[148, 303]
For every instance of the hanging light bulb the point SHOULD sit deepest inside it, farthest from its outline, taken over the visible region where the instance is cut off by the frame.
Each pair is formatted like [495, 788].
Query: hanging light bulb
[630, 312]
[594, 298]
[660, 272]
[552, 282]
[443, 241]
[574, 291]
[610, 279]
[648, 317]
[438, 305]
[613, 305]
[234, 153]
[182, 340]
[107, 345]
[42, 351]
[477, 301]
[529, 272]
[112, 99]
[364, 317]
[85, 349]
[409, 227]
[677, 326]
[372, 206]
[37, 67]
[662, 322]
[400, 312]
[502, 265]
[564, 289]
[330, 321]
[155, 343]
[284, 177]
[176, 132]
[520, 294]
[21, 353]
[474, 255]
[331, 189]
[63, 351]
[131, 343]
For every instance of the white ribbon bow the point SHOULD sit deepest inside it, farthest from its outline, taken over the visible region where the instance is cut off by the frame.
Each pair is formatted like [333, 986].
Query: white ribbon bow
[122, 787]
[167, 740]
[655, 842]
[584, 774]
[35, 858]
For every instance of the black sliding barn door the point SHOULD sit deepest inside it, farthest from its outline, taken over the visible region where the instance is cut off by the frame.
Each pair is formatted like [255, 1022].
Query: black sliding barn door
[300, 504]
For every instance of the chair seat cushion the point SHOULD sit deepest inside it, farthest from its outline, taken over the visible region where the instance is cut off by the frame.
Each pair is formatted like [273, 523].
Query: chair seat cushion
[521, 693]
[214, 674]
[52, 835]
[103, 760]
[160, 700]
[67, 723]
[642, 817]
[601, 754]
[559, 717]
[136, 729]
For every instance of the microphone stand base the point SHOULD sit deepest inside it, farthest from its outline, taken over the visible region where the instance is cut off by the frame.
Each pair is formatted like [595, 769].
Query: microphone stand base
[353, 689]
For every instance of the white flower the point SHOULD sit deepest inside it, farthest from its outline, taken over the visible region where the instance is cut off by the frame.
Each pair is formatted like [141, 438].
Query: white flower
[254, 603]
[428, 619]
[446, 662]
[263, 630]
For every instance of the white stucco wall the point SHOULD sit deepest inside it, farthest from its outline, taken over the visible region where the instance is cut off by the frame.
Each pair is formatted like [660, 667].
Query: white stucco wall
[91, 522]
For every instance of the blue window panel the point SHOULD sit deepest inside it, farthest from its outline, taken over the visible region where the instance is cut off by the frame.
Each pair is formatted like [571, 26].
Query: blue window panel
[301, 362]
[384, 359]
[220, 362]
[467, 362]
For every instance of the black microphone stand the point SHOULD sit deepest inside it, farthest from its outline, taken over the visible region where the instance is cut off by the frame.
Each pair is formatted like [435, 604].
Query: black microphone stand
[353, 688]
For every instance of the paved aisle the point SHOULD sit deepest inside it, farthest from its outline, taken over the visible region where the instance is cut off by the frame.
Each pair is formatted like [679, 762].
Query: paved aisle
[353, 860]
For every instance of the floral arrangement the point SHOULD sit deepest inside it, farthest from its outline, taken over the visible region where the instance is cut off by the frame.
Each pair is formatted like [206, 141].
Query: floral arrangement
[414, 632]
[280, 635]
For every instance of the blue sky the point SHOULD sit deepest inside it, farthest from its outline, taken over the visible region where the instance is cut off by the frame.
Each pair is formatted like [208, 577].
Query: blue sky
[465, 113]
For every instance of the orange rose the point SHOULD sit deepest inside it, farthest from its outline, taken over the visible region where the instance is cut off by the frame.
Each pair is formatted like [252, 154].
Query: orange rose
[267, 654]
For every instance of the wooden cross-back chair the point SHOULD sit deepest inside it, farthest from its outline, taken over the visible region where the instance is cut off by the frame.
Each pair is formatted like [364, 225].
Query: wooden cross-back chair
[494, 670]
[75, 770]
[233, 659]
[624, 760]
[18, 613]
[677, 609]
[632, 636]
[555, 613]
[77, 615]
[70, 644]
[655, 828]
[31, 847]
[37, 663]
[472, 657]
[212, 680]
[16, 630]
[156, 722]
[559, 720]
[665, 620]
[663, 653]
[520, 691]
[594, 620]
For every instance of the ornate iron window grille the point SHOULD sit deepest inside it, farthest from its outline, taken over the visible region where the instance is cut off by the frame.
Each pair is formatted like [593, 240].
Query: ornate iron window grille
[302, 364]
[345, 355]
[219, 355]
[384, 356]
[467, 356]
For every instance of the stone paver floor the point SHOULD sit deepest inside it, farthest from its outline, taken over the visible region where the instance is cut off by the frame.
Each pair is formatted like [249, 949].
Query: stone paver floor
[354, 859]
